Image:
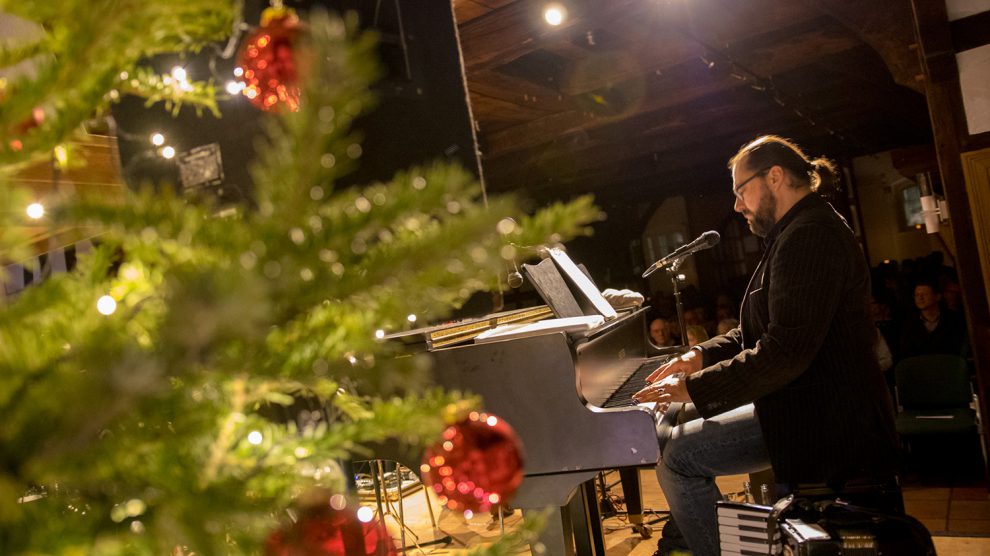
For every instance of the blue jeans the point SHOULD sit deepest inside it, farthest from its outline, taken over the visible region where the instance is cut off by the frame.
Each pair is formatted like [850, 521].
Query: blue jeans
[697, 452]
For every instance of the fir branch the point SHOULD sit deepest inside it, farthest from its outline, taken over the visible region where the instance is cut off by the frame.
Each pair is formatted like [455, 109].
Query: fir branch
[143, 82]
[87, 47]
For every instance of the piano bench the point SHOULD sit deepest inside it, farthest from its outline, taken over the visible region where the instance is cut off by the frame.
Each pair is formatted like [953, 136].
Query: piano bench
[870, 492]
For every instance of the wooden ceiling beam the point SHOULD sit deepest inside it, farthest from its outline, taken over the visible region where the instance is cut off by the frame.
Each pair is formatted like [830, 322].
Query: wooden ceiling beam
[688, 157]
[654, 132]
[680, 84]
[888, 27]
[677, 85]
[494, 84]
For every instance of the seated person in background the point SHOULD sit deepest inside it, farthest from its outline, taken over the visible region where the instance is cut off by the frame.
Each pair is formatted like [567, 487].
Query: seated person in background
[725, 325]
[933, 329]
[725, 308]
[696, 334]
[952, 295]
[660, 333]
[882, 351]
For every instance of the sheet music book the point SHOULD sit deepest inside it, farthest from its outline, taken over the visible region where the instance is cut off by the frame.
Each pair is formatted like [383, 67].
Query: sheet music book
[582, 284]
[551, 286]
[524, 330]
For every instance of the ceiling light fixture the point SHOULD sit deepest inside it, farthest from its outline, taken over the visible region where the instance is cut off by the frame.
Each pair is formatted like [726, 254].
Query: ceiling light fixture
[554, 14]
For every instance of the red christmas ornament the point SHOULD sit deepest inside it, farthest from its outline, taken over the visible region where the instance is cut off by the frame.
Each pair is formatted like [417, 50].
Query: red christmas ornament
[26, 125]
[331, 529]
[477, 464]
[267, 59]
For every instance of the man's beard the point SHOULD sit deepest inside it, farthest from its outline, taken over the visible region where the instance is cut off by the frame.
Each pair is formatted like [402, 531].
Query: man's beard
[762, 221]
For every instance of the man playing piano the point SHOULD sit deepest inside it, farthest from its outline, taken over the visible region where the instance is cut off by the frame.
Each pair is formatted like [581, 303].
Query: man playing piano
[795, 386]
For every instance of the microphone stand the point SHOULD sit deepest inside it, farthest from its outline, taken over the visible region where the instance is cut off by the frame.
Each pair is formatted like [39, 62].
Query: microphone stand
[607, 507]
[672, 271]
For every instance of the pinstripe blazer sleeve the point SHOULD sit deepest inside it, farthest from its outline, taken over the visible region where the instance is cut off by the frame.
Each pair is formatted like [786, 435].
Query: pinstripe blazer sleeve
[801, 293]
[721, 347]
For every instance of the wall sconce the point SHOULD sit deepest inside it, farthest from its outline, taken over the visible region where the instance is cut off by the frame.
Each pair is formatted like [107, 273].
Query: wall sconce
[933, 208]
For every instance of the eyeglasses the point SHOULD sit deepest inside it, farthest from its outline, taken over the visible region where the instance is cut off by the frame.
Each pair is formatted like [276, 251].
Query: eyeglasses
[737, 190]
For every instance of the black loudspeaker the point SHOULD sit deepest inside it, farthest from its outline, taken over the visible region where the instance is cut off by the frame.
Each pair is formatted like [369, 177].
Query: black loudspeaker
[422, 114]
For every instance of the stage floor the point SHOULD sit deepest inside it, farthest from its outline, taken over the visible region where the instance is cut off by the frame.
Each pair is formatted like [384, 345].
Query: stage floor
[958, 515]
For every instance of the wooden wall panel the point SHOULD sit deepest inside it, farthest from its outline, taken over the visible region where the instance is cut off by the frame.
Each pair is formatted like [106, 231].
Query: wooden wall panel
[976, 168]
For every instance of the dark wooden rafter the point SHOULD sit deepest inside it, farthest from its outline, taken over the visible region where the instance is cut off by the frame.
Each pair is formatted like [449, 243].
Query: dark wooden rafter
[711, 115]
[887, 27]
[660, 88]
[515, 29]
[623, 92]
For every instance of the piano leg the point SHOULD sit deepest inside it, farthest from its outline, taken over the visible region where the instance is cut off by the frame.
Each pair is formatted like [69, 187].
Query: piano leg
[557, 536]
[633, 494]
[588, 537]
[577, 528]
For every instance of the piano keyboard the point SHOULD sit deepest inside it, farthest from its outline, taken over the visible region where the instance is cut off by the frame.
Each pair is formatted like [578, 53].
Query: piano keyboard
[622, 396]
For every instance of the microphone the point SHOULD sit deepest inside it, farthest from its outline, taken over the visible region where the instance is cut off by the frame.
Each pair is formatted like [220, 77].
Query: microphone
[706, 240]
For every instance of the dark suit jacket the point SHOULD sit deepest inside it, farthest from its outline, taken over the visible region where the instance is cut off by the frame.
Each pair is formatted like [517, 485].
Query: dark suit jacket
[803, 353]
[949, 336]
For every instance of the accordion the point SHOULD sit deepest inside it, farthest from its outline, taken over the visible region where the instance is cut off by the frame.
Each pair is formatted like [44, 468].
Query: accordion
[743, 530]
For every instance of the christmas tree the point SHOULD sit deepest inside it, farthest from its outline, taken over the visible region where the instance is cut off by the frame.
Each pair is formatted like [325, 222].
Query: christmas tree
[141, 393]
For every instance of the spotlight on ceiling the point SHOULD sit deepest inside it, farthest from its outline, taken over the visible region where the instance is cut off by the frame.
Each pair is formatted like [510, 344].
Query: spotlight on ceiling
[554, 14]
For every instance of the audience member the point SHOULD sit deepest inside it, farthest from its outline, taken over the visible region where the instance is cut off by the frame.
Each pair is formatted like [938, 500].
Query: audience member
[933, 329]
[952, 295]
[696, 334]
[660, 333]
[882, 351]
[725, 325]
[725, 308]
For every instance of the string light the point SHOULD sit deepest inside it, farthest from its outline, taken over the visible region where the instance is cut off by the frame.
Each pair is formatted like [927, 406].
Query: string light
[106, 305]
[235, 87]
[180, 77]
[411, 318]
[554, 14]
[365, 514]
[35, 210]
[157, 139]
[254, 438]
[168, 152]
[61, 155]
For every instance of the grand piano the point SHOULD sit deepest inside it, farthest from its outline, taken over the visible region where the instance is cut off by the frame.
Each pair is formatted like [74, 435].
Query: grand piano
[567, 395]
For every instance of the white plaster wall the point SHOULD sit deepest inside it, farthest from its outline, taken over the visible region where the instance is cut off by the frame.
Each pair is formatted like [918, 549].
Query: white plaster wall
[879, 187]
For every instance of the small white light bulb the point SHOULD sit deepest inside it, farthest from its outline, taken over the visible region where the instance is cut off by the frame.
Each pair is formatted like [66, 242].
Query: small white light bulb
[365, 514]
[168, 152]
[106, 305]
[255, 438]
[554, 14]
[157, 139]
[234, 87]
[379, 334]
[35, 210]
[179, 73]
[238, 71]
[411, 318]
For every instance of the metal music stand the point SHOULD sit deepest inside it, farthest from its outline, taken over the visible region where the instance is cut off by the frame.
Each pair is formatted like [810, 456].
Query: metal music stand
[386, 508]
